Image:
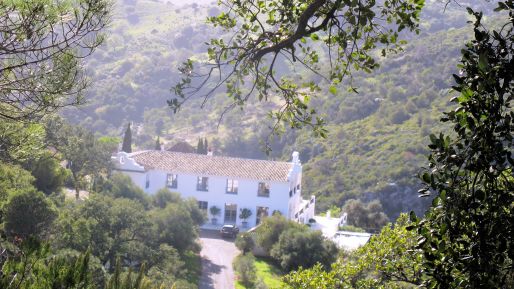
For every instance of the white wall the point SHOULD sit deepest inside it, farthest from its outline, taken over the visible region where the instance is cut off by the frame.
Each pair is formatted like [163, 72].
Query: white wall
[216, 195]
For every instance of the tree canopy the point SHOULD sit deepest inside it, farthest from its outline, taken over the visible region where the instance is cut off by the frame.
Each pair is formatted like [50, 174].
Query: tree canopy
[28, 213]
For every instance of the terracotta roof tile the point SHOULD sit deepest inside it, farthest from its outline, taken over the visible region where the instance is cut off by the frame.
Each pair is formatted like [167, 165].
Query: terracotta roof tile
[213, 165]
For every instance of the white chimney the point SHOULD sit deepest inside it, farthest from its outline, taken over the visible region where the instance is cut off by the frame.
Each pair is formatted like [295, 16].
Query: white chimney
[296, 157]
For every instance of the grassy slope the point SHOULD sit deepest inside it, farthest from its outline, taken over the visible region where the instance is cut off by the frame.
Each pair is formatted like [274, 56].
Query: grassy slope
[267, 272]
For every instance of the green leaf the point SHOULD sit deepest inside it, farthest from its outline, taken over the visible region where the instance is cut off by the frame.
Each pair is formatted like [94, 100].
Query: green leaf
[483, 62]
[332, 89]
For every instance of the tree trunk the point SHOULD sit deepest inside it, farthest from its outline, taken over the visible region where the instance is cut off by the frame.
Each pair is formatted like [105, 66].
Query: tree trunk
[76, 186]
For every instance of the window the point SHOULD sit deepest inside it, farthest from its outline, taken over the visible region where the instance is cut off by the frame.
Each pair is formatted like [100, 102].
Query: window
[230, 213]
[262, 212]
[147, 183]
[263, 190]
[232, 186]
[202, 205]
[202, 184]
[171, 181]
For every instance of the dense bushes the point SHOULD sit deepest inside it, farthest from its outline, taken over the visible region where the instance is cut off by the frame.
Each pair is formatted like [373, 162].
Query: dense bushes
[270, 229]
[303, 248]
[368, 216]
[289, 244]
[28, 213]
[121, 186]
[49, 174]
[388, 260]
[293, 245]
[245, 242]
[118, 222]
[122, 228]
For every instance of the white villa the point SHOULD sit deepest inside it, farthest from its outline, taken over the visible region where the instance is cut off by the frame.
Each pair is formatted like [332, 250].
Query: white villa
[231, 184]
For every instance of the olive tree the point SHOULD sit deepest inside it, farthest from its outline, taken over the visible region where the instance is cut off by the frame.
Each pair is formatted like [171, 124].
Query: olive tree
[84, 153]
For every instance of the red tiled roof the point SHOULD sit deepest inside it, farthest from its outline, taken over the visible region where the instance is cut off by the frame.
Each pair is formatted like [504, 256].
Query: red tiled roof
[198, 164]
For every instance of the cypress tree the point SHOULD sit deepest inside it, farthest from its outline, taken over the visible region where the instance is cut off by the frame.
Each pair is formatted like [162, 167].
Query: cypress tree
[158, 143]
[127, 140]
[199, 146]
[205, 146]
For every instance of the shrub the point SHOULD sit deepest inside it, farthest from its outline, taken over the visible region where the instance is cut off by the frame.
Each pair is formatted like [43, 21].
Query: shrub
[121, 186]
[297, 248]
[244, 265]
[28, 213]
[260, 284]
[245, 243]
[369, 216]
[164, 196]
[49, 174]
[270, 229]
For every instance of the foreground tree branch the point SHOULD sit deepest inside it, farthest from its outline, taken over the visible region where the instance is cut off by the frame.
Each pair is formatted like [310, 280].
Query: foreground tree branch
[265, 34]
[41, 48]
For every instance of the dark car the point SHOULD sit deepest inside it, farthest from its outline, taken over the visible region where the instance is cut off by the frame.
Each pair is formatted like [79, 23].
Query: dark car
[229, 231]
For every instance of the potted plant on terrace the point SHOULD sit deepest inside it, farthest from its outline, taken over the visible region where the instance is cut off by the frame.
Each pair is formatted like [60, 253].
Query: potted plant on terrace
[215, 211]
[244, 214]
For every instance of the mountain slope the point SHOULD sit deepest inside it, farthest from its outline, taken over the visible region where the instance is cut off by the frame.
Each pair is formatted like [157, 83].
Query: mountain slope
[377, 137]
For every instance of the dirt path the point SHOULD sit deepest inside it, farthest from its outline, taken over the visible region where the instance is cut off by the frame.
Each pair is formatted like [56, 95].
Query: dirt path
[217, 255]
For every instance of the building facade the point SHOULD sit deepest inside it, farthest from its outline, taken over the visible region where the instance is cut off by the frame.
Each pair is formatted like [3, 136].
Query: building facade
[230, 184]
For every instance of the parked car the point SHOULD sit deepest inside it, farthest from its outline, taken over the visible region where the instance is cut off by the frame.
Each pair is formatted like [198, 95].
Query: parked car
[229, 231]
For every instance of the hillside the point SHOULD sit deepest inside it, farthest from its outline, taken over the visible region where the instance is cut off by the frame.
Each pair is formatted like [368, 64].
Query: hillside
[377, 137]
[379, 140]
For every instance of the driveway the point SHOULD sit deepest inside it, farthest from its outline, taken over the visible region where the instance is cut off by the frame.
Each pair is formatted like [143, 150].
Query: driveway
[217, 255]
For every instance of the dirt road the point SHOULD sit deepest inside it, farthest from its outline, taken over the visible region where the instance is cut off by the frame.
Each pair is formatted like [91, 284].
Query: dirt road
[217, 255]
